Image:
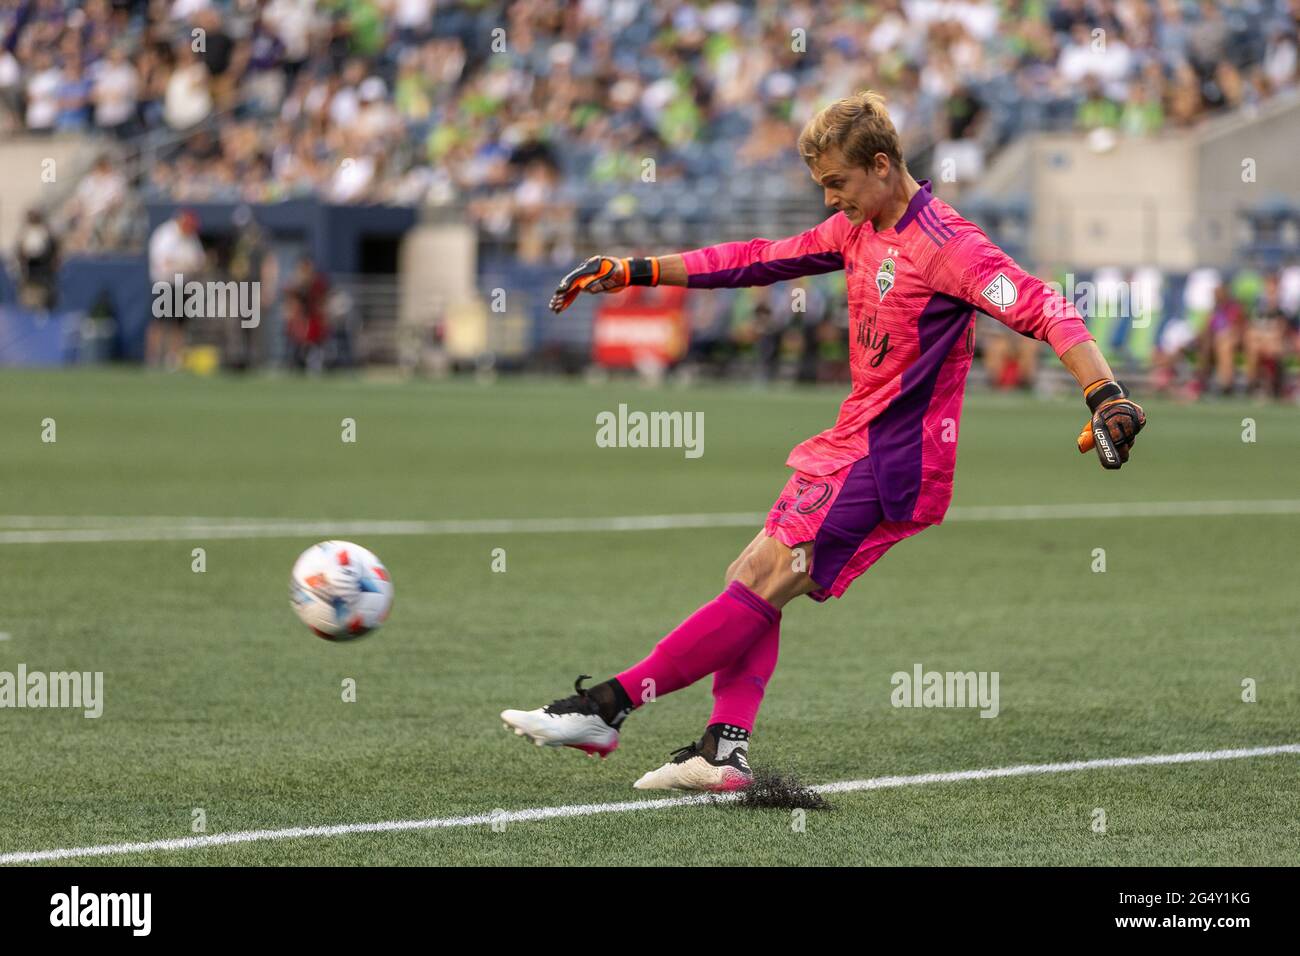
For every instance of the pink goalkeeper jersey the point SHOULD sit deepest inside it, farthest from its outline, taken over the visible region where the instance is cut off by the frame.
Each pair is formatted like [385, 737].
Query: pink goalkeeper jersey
[912, 295]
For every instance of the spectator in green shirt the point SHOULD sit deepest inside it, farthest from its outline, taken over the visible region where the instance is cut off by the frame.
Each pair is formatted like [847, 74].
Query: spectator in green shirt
[1143, 115]
[1097, 110]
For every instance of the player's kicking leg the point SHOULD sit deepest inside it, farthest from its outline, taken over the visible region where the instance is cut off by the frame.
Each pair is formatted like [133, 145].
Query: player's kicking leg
[718, 635]
[719, 760]
[588, 720]
[834, 526]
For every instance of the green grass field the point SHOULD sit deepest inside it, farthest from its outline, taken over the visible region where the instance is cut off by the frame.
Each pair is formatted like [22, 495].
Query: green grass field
[216, 698]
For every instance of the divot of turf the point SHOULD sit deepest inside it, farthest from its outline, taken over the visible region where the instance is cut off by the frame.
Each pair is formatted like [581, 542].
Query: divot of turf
[780, 790]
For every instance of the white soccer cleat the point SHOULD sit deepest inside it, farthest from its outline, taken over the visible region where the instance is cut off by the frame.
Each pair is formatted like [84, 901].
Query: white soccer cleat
[692, 769]
[569, 722]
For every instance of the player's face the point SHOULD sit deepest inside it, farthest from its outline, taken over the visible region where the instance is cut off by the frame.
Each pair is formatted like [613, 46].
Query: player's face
[858, 193]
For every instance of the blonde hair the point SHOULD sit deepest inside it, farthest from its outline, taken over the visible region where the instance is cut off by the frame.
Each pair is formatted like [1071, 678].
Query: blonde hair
[858, 125]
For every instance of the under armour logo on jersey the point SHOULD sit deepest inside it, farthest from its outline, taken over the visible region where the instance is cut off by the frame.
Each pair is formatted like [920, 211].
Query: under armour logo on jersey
[1001, 292]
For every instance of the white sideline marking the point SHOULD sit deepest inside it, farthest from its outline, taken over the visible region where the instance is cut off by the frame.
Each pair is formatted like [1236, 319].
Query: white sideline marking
[65, 529]
[193, 528]
[590, 809]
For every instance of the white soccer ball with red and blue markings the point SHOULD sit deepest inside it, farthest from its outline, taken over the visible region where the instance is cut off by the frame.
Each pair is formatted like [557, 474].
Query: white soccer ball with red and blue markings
[340, 590]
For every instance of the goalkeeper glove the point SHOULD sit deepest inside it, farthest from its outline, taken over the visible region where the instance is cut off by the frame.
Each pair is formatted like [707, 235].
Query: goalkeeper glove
[604, 274]
[1114, 425]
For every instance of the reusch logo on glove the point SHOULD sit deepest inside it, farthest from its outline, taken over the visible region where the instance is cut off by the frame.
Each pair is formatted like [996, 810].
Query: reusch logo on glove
[1104, 443]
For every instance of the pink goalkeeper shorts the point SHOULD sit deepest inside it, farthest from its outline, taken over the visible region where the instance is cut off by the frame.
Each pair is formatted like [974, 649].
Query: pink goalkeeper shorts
[842, 515]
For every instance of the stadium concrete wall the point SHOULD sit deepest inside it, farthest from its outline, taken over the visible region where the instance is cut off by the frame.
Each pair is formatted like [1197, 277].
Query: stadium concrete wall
[1244, 161]
[1111, 201]
[438, 267]
[1173, 201]
[35, 171]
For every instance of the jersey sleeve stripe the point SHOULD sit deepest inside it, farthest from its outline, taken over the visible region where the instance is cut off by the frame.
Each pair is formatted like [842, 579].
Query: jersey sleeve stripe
[943, 229]
[925, 228]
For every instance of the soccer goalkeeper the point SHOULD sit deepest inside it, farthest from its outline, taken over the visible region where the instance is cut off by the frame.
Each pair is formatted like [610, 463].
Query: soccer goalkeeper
[916, 274]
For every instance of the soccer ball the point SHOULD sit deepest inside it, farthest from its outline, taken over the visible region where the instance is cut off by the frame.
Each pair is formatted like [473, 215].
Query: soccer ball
[340, 590]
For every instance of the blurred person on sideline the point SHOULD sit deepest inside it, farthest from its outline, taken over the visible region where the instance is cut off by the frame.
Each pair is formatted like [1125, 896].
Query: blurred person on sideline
[175, 255]
[1221, 340]
[1270, 342]
[306, 322]
[251, 260]
[38, 262]
[1010, 360]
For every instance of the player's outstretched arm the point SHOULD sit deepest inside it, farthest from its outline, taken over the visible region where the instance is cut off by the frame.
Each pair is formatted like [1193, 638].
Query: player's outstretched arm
[727, 265]
[977, 271]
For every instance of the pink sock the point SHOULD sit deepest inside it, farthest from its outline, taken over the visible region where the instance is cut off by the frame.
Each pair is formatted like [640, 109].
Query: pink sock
[712, 638]
[738, 688]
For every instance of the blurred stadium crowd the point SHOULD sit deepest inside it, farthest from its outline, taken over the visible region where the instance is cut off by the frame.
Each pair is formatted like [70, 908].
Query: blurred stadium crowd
[520, 107]
[525, 114]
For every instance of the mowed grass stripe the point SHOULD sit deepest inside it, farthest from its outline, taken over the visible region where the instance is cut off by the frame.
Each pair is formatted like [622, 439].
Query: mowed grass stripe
[590, 809]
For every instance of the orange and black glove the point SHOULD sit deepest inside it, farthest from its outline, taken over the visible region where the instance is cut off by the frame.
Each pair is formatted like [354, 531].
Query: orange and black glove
[604, 274]
[1114, 425]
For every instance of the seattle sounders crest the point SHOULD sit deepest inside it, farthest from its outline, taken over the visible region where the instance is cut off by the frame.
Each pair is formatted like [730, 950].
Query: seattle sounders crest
[885, 276]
